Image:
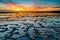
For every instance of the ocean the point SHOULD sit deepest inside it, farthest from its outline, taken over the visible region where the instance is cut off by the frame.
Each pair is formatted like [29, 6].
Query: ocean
[30, 26]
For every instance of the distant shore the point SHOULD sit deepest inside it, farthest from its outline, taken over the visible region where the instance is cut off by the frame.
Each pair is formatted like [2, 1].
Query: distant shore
[29, 11]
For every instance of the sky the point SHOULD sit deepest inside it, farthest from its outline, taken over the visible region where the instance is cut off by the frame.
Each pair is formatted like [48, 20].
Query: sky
[40, 3]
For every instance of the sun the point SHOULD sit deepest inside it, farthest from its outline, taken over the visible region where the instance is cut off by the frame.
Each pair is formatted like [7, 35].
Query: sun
[18, 9]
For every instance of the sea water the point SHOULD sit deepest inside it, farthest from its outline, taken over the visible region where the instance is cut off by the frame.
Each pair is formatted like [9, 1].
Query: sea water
[31, 28]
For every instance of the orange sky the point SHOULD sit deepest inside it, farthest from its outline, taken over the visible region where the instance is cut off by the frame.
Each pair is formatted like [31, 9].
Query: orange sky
[14, 7]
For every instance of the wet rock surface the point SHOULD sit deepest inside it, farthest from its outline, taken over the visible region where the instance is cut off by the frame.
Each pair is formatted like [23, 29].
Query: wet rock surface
[39, 29]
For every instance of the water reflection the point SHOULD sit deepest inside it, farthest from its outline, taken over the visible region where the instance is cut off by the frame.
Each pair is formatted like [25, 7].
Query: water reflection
[14, 16]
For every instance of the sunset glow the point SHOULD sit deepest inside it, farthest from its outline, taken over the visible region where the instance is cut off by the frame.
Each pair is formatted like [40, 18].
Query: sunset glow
[28, 5]
[15, 7]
